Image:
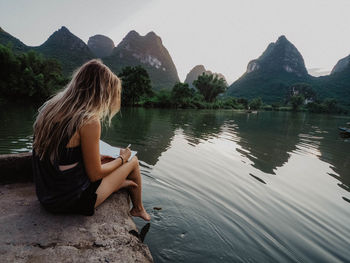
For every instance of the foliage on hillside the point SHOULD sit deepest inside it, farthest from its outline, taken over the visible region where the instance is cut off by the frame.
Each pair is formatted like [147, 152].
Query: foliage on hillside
[28, 76]
[336, 86]
[271, 87]
[12, 42]
[157, 77]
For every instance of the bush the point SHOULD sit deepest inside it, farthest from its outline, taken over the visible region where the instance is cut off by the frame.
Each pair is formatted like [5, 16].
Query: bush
[136, 84]
[327, 106]
[210, 86]
[255, 104]
[296, 102]
[28, 76]
[181, 95]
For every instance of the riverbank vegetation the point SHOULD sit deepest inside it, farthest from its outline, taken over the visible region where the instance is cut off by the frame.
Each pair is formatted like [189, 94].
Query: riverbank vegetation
[30, 77]
[209, 94]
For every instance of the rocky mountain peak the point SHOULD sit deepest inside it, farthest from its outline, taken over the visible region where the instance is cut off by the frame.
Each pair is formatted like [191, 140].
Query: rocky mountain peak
[133, 40]
[279, 56]
[281, 39]
[198, 68]
[341, 65]
[153, 37]
[6, 38]
[131, 36]
[196, 72]
[148, 51]
[63, 38]
[69, 49]
[63, 29]
[152, 34]
[101, 45]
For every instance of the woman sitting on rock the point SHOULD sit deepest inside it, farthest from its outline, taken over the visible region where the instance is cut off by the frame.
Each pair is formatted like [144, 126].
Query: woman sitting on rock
[70, 174]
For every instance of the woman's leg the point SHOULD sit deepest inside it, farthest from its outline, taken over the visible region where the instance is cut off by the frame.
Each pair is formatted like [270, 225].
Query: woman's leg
[136, 194]
[126, 175]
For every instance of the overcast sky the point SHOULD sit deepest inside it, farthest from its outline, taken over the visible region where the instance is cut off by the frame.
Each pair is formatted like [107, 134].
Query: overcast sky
[223, 35]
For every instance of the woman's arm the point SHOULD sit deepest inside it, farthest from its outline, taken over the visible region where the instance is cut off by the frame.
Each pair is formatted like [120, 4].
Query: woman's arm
[90, 144]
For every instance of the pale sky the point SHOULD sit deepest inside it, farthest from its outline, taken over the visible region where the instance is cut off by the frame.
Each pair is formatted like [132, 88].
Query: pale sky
[223, 35]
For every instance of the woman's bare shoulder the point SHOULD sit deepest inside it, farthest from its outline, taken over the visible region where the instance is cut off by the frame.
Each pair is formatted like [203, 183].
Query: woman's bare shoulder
[91, 126]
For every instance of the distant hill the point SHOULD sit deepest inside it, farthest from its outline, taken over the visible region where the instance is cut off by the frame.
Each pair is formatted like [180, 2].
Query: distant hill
[64, 46]
[341, 65]
[101, 46]
[7, 39]
[270, 76]
[149, 52]
[336, 85]
[280, 66]
[197, 71]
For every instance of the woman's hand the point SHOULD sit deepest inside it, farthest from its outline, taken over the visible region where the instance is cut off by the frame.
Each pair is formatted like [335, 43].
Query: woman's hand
[125, 154]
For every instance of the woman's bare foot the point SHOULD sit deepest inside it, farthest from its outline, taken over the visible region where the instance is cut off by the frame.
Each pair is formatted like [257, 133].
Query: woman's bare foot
[140, 213]
[128, 183]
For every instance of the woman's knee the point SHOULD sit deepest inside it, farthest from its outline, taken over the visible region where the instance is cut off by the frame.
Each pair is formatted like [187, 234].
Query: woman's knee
[135, 161]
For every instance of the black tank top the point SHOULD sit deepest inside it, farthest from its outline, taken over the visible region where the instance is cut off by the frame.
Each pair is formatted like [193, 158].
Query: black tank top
[57, 190]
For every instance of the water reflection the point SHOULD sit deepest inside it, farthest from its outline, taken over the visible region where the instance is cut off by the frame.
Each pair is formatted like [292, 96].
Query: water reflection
[16, 128]
[334, 149]
[149, 132]
[266, 139]
[199, 125]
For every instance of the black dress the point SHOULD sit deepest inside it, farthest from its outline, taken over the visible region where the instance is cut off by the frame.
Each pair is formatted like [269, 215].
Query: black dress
[69, 191]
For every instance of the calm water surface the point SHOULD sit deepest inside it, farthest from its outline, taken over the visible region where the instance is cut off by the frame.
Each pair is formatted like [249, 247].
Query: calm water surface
[233, 187]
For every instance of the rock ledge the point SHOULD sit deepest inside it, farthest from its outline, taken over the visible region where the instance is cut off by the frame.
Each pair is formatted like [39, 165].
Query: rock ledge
[30, 234]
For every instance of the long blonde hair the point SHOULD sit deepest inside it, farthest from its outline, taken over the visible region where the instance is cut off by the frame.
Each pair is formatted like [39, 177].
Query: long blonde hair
[94, 91]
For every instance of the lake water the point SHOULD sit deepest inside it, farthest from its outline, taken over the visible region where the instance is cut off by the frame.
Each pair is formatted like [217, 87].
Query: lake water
[233, 187]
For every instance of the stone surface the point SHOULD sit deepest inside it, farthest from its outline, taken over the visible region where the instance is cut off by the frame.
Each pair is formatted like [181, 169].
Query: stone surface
[30, 234]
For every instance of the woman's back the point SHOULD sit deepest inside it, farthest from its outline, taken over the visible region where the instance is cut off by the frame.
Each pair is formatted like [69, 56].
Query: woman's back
[57, 190]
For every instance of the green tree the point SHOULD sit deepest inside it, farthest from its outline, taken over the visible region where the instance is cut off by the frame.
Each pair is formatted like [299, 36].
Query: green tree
[210, 86]
[163, 98]
[297, 101]
[28, 76]
[243, 102]
[331, 105]
[9, 70]
[136, 83]
[255, 104]
[181, 94]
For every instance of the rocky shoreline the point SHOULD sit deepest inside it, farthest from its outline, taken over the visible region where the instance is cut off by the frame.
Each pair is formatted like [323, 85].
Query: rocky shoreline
[30, 234]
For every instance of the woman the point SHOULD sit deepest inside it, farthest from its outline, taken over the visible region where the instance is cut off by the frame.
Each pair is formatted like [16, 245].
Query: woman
[69, 173]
